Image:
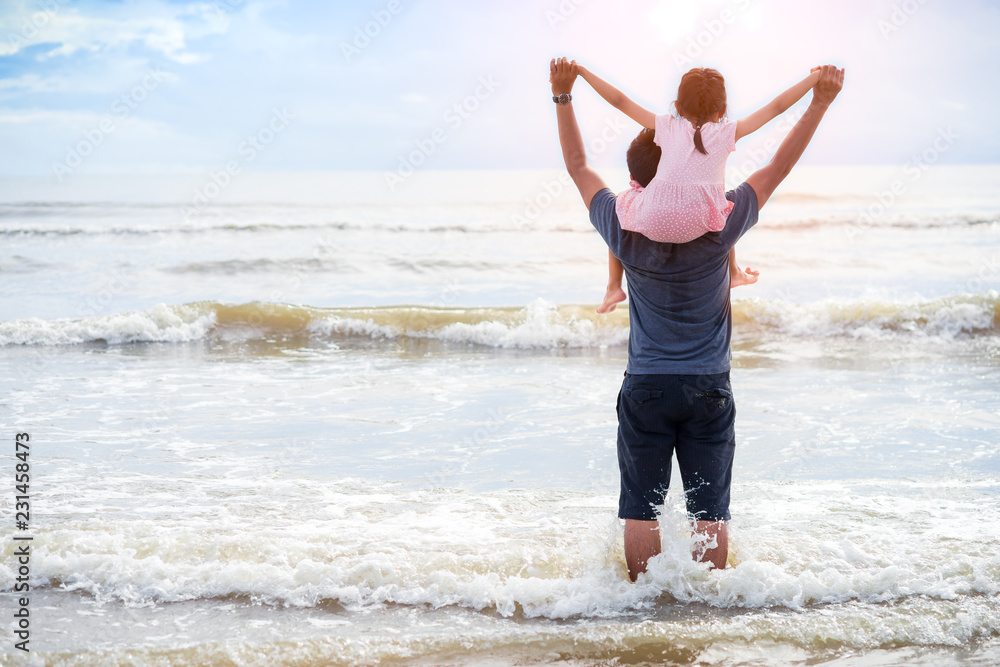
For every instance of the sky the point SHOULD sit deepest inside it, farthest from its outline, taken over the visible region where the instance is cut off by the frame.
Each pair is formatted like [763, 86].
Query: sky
[159, 86]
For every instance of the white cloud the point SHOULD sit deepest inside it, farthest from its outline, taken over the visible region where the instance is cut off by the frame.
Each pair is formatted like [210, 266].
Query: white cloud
[74, 121]
[157, 26]
[363, 112]
[47, 116]
[32, 83]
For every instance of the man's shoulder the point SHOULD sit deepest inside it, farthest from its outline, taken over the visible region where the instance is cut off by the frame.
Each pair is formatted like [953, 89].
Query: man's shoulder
[602, 197]
[629, 247]
[603, 214]
[742, 191]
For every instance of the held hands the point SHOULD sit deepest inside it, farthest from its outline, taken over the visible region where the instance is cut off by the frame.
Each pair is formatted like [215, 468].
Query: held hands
[829, 84]
[562, 75]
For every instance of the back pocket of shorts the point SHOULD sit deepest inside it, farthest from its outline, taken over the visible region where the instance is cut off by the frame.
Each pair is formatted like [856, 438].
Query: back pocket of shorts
[716, 397]
[642, 395]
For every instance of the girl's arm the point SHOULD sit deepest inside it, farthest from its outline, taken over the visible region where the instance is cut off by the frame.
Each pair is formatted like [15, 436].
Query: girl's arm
[617, 99]
[776, 107]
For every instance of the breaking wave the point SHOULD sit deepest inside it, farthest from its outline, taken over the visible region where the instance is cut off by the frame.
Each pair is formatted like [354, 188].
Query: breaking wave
[538, 325]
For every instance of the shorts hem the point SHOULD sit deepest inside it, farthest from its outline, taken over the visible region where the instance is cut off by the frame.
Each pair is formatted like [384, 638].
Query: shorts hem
[639, 516]
[654, 515]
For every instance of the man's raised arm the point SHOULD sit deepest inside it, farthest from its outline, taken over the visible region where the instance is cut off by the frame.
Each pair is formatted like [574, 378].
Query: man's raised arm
[562, 74]
[766, 179]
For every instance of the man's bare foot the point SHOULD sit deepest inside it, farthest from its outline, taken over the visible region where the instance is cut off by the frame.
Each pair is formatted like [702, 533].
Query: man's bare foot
[614, 296]
[743, 277]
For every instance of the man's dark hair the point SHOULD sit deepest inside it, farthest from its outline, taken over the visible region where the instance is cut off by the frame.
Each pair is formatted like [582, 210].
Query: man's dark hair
[642, 157]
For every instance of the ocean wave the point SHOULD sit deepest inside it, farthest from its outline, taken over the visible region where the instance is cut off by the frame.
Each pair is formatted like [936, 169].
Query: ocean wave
[535, 553]
[261, 265]
[944, 317]
[858, 223]
[21, 264]
[168, 324]
[171, 227]
[140, 220]
[538, 325]
[181, 227]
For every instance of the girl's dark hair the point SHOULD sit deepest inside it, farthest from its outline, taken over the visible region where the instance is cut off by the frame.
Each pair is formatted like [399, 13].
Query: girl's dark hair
[643, 156]
[700, 96]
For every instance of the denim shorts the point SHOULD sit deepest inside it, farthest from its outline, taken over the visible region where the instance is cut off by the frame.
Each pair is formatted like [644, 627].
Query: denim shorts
[692, 415]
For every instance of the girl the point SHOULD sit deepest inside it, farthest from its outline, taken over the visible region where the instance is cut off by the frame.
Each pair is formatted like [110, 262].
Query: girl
[687, 196]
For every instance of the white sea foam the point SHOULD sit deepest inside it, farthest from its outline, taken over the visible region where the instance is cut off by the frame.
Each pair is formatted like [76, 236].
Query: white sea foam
[538, 325]
[530, 552]
[158, 324]
[947, 317]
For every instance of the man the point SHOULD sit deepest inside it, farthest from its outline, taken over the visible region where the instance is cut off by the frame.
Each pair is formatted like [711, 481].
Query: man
[676, 396]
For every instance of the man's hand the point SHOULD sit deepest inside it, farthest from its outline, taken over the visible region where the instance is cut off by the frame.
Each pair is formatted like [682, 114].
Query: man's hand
[831, 80]
[562, 75]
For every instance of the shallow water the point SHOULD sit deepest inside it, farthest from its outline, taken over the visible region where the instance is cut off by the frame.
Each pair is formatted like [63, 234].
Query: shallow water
[248, 448]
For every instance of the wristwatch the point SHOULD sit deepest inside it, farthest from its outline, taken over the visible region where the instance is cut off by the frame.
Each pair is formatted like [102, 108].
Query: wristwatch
[563, 99]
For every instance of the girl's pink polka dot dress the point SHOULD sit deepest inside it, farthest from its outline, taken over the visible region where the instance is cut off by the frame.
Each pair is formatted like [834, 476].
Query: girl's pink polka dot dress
[687, 197]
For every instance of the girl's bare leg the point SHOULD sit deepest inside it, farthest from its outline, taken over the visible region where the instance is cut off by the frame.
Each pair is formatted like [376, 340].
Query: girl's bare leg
[738, 276]
[615, 293]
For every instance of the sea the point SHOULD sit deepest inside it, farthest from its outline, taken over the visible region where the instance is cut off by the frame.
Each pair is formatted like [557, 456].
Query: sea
[334, 419]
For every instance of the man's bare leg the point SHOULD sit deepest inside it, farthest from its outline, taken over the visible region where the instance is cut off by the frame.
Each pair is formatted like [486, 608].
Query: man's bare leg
[615, 293]
[737, 276]
[642, 542]
[713, 532]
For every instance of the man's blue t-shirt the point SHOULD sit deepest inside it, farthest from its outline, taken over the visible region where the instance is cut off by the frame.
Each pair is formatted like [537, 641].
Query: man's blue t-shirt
[681, 321]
